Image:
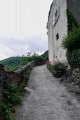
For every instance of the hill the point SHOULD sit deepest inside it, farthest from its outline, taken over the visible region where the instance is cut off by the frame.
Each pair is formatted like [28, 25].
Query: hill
[14, 63]
[11, 61]
[45, 55]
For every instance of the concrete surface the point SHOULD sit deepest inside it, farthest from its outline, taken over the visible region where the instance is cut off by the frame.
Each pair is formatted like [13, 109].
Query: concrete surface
[47, 99]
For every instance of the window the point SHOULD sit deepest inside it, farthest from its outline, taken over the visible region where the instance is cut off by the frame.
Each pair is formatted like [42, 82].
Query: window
[57, 36]
[54, 20]
[56, 17]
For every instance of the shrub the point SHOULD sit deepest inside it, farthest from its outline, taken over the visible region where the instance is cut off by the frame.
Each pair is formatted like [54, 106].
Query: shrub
[71, 21]
[73, 58]
[72, 41]
[10, 98]
[57, 70]
[51, 68]
[72, 44]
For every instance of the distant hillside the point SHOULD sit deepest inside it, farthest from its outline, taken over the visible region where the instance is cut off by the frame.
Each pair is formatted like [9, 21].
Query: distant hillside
[11, 61]
[45, 55]
[15, 61]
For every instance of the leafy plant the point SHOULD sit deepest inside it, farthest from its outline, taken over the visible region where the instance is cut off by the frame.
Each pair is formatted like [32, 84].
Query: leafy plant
[58, 69]
[51, 68]
[72, 44]
[71, 21]
[73, 58]
[72, 41]
[10, 98]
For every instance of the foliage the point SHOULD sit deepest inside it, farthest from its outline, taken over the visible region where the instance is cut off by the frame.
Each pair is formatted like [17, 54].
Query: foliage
[45, 56]
[72, 44]
[34, 57]
[11, 68]
[57, 69]
[73, 58]
[13, 63]
[10, 98]
[72, 41]
[71, 21]
[23, 60]
[12, 93]
[51, 68]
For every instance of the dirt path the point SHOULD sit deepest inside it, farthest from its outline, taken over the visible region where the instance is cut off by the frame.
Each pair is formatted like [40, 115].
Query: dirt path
[47, 99]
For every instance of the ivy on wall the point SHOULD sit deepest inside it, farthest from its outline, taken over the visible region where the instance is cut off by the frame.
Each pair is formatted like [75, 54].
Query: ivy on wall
[71, 21]
[72, 41]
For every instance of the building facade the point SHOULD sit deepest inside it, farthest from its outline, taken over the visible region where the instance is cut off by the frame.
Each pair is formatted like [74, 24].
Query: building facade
[57, 26]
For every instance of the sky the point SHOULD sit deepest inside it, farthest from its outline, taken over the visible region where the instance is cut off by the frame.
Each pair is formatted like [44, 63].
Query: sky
[23, 27]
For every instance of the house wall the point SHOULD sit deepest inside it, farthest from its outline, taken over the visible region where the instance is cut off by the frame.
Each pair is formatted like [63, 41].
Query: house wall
[60, 27]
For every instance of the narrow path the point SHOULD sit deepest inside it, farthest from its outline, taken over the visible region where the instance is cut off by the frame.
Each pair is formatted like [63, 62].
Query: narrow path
[47, 99]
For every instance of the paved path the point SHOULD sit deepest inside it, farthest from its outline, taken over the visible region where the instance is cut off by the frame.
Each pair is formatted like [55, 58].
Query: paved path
[47, 99]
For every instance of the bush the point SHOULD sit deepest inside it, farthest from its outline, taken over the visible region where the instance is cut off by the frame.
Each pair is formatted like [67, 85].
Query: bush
[57, 70]
[71, 21]
[73, 58]
[72, 44]
[10, 98]
[51, 68]
[72, 41]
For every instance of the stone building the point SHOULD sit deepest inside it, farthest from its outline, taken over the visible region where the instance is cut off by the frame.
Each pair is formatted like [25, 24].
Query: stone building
[57, 26]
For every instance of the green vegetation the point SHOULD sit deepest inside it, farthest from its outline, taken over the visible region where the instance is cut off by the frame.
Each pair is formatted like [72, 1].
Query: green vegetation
[10, 98]
[51, 68]
[12, 94]
[57, 70]
[13, 90]
[13, 63]
[45, 55]
[72, 42]
[73, 58]
[71, 21]
[36, 57]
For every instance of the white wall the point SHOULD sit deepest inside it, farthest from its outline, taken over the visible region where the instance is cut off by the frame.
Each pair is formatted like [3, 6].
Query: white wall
[54, 45]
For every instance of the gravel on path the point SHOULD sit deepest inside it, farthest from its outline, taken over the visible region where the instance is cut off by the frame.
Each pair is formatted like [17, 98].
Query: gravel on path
[46, 99]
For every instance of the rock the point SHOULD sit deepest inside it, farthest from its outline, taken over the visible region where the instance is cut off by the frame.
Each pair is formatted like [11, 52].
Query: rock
[77, 82]
[74, 89]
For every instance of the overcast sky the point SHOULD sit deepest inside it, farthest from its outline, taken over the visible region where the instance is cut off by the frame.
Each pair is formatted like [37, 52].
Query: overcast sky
[23, 27]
